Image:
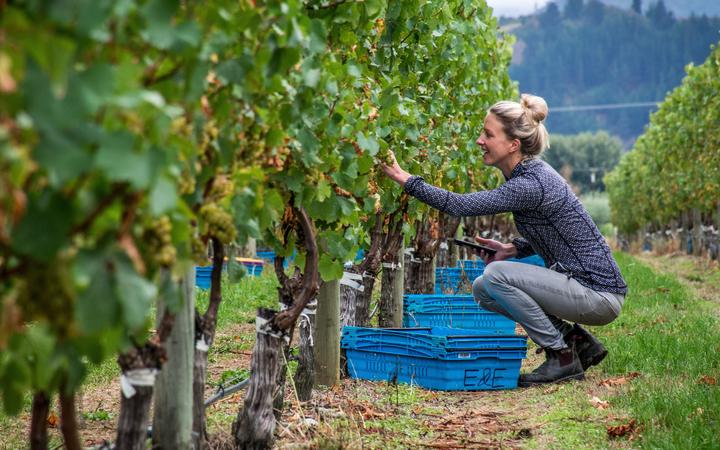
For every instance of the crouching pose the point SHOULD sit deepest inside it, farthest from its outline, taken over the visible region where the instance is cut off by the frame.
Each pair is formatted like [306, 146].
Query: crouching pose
[582, 282]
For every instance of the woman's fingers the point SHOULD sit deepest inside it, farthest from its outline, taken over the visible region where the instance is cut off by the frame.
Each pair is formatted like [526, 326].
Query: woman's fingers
[488, 242]
[394, 170]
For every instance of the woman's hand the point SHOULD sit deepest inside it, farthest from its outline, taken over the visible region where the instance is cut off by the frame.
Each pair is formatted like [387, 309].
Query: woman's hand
[502, 251]
[394, 171]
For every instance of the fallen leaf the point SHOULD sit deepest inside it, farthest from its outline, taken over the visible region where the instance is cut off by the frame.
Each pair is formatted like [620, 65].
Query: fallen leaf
[599, 404]
[707, 379]
[621, 430]
[618, 381]
[52, 420]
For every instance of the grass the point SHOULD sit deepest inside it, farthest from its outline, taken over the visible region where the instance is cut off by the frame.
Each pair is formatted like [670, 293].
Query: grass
[666, 334]
[242, 299]
[672, 340]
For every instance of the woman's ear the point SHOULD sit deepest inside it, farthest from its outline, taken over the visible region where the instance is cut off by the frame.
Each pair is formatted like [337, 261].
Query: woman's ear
[515, 145]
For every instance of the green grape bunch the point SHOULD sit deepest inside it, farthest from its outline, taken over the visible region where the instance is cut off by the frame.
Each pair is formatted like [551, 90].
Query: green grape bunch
[158, 241]
[216, 222]
[46, 294]
[222, 187]
[198, 249]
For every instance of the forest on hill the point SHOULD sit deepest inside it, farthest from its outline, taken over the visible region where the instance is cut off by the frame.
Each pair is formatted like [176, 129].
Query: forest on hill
[680, 8]
[589, 53]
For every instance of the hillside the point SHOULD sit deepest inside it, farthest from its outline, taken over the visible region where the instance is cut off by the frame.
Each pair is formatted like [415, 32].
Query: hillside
[680, 8]
[591, 54]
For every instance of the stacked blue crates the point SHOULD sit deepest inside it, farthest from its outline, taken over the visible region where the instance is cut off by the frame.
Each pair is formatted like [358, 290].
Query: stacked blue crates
[453, 311]
[458, 280]
[449, 343]
[454, 280]
[435, 358]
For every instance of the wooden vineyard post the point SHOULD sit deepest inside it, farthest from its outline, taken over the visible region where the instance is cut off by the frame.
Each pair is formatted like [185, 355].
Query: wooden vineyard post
[697, 232]
[173, 410]
[327, 334]
[305, 374]
[391, 292]
[685, 236]
[249, 250]
[397, 293]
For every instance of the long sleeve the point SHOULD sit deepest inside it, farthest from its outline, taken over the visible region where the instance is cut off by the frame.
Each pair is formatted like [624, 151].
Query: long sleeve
[549, 218]
[523, 247]
[517, 194]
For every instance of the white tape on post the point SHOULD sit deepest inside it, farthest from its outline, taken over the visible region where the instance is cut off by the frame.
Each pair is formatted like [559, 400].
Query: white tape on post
[136, 377]
[349, 279]
[201, 345]
[263, 326]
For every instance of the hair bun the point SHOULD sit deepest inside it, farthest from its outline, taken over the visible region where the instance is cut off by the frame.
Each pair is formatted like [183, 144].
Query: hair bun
[535, 107]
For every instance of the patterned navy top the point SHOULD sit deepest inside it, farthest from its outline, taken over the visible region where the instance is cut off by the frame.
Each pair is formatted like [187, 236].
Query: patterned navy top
[549, 217]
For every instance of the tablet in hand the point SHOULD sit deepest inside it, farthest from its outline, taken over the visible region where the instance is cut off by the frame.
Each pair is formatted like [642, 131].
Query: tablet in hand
[476, 246]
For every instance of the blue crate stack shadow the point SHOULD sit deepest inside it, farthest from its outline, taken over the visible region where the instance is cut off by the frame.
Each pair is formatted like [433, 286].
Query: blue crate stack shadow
[448, 342]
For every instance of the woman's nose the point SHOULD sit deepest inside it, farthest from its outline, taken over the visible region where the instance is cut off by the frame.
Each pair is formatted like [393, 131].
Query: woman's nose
[480, 141]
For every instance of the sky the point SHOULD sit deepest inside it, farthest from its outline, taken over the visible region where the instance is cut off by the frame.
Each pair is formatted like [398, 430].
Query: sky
[513, 8]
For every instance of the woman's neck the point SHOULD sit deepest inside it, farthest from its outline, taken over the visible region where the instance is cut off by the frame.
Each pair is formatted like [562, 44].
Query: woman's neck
[507, 165]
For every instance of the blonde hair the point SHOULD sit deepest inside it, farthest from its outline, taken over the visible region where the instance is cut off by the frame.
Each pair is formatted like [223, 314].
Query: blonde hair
[524, 121]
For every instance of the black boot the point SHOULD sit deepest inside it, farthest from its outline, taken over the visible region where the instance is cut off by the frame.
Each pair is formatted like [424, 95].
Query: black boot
[589, 349]
[560, 365]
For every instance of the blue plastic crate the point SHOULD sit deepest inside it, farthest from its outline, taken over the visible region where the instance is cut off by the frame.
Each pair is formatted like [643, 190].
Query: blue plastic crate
[455, 280]
[535, 260]
[202, 276]
[437, 339]
[268, 255]
[486, 322]
[453, 311]
[456, 371]
[203, 273]
[471, 264]
[252, 268]
[420, 301]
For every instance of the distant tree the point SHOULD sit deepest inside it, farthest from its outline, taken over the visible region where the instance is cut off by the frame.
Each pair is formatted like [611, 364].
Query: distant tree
[659, 15]
[573, 9]
[584, 158]
[624, 58]
[551, 16]
[594, 12]
[637, 6]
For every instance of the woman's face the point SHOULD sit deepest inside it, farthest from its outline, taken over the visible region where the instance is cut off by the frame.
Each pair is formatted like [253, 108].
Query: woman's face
[496, 145]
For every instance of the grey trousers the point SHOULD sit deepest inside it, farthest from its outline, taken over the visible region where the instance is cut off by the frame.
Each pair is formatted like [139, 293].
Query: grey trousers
[541, 300]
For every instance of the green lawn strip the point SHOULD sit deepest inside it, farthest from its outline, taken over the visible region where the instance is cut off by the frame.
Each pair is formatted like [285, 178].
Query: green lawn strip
[242, 299]
[672, 340]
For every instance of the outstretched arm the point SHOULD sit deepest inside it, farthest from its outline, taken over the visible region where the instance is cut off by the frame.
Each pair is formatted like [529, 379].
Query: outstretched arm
[395, 172]
[517, 194]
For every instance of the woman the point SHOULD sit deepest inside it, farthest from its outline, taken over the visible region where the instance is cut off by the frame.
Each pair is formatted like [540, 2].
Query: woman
[582, 283]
